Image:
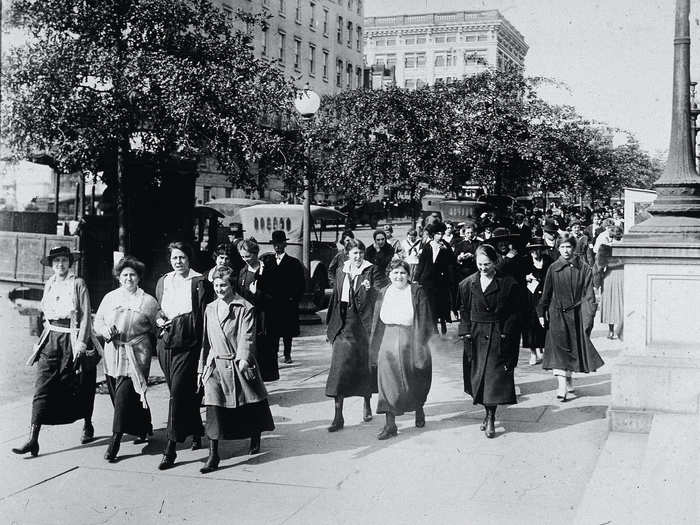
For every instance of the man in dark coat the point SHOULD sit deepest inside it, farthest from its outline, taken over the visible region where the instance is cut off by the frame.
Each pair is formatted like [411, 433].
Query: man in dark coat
[465, 252]
[284, 286]
[521, 229]
[568, 304]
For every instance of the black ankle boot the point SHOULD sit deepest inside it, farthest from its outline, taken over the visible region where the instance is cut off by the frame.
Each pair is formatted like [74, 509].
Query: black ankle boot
[113, 447]
[482, 427]
[88, 434]
[490, 429]
[32, 445]
[254, 444]
[169, 456]
[420, 417]
[337, 424]
[213, 460]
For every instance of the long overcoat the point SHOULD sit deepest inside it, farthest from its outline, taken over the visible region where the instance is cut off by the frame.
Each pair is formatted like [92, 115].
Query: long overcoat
[224, 344]
[568, 302]
[437, 278]
[284, 287]
[490, 324]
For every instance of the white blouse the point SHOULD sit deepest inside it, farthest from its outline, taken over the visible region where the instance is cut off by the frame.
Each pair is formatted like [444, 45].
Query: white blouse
[177, 294]
[397, 307]
[58, 301]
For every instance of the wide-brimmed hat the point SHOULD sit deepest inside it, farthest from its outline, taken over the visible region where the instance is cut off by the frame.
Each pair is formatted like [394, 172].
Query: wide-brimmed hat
[58, 251]
[501, 234]
[535, 242]
[278, 237]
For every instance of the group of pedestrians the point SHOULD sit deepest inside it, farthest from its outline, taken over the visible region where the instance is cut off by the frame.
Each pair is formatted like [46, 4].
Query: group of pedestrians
[216, 338]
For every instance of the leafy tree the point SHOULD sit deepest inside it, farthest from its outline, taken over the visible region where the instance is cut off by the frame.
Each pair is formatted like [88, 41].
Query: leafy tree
[102, 83]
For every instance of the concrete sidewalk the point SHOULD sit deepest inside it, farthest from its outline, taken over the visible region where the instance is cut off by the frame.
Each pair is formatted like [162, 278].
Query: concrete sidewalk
[534, 472]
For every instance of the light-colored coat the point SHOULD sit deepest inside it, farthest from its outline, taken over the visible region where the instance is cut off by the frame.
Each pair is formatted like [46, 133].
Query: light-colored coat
[226, 343]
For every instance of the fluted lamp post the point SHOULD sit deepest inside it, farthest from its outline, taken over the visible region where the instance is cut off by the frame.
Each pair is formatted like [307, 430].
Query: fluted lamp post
[307, 104]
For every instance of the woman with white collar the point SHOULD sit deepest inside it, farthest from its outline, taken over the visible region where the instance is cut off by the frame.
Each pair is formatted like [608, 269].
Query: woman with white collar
[64, 390]
[182, 294]
[126, 319]
[349, 322]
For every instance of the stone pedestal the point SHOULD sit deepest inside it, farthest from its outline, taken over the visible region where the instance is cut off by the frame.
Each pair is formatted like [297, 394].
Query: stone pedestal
[659, 370]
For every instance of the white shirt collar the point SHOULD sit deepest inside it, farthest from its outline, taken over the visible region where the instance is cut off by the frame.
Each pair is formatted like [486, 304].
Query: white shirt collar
[191, 275]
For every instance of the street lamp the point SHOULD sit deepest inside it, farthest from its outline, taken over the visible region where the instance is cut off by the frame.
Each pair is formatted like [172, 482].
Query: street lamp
[307, 103]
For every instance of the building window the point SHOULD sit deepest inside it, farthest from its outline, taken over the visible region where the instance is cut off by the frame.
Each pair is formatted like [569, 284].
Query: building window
[391, 41]
[470, 38]
[451, 39]
[297, 53]
[439, 59]
[420, 83]
[359, 38]
[227, 193]
[391, 60]
[441, 39]
[482, 38]
[358, 77]
[349, 5]
[348, 73]
[312, 21]
[265, 42]
[283, 8]
[412, 60]
[283, 45]
[325, 64]
[409, 40]
[359, 7]
[409, 83]
[297, 12]
[312, 59]
[380, 60]
[445, 59]
[339, 35]
[350, 35]
[207, 194]
[421, 40]
[475, 58]
[380, 42]
[325, 22]
[339, 73]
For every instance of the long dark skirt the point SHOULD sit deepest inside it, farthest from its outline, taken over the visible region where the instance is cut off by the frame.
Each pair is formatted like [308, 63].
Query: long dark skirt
[266, 357]
[350, 373]
[129, 415]
[179, 366]
[533, 332]
[239, 423]
[440, 302]
[64, 391]
[402, 387]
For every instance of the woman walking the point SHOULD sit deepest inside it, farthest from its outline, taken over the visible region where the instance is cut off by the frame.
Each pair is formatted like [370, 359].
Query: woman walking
[611, 275]
[64, 390]
[568, 304]
[234, 392]
[489, 324]
[251, 287]
[401, 329]
[435, 272]
[182, 295]
[126, 319]
[536, 268]
[349, 322]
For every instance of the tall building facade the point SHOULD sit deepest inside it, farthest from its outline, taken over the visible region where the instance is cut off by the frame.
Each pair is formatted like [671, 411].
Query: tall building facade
[431, 48]
[314, 42]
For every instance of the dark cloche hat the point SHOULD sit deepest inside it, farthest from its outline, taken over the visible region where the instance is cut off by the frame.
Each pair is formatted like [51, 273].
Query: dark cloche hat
[550, 226]
[278, 237]
[500, 234]
[58, 251]
[535, 242]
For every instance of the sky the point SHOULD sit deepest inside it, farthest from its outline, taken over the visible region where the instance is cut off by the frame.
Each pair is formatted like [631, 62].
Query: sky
[615, 56]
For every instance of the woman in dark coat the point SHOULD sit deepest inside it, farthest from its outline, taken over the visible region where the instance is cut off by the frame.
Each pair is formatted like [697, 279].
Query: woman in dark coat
[251, 286]
[182, 295]
[234, 392]
[401, 329]
[349, 322]
[435, 273]
[489, 324]
[568, 304]
[65, 355]
[536, 268]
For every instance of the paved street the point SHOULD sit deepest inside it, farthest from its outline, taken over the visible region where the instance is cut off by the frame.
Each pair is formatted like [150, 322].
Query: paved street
[533, 473]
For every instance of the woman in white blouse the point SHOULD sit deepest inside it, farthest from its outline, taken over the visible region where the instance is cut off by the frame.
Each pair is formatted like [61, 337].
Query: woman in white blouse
[126, 319]
[183, 295]
[401, 329]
